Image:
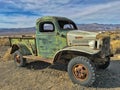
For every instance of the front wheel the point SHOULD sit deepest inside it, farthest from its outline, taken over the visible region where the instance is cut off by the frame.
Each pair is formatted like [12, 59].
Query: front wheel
[81, 71]
[18, 59]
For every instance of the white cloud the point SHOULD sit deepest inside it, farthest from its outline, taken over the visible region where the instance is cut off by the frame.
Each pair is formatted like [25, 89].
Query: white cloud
[91, 10]
[41, 4]
[49, 7]
[54, 7]
[17, 21]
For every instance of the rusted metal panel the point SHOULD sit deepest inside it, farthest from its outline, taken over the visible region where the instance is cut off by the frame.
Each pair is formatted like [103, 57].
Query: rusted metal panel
[27, 44]
[84, 49]
[49, 44]
[31, 57]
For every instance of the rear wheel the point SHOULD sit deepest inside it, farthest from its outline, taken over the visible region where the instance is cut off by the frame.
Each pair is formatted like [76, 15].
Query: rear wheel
[81, 71]
[19, 60]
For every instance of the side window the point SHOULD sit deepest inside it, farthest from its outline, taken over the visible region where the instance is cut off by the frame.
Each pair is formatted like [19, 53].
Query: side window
[46, 27]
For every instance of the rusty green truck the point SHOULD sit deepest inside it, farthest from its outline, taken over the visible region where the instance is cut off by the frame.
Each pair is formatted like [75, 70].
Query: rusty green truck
[58, 39]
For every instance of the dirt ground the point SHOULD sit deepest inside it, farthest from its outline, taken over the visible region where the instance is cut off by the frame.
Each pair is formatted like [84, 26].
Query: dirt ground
[39, 75]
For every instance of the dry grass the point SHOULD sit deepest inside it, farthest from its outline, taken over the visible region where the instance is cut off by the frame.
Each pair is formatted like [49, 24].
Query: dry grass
[118, 56]
[4, 41]
[115, 46]
[115, 40]
[114, 35]
[7, 56]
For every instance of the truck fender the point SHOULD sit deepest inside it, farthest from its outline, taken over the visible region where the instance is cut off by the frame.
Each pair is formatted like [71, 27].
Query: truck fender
[14, 48]
[22, 48]
[79, 50]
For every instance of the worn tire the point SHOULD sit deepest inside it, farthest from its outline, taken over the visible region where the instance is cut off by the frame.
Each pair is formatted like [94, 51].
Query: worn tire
[88, 78]
[105, 65]
[18, 59]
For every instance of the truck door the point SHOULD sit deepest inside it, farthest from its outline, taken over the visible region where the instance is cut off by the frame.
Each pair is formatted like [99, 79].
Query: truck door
[46, 39]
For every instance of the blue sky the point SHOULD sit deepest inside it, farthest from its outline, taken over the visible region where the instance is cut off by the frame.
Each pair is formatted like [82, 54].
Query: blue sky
[23, 13]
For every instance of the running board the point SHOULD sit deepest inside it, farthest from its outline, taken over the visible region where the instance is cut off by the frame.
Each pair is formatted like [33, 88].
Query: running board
[31, 57]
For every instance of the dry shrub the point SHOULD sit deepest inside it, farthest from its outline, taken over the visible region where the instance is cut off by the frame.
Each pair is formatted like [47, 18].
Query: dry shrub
[115, 40]
[101, 35]
[4, 42]
[113, 35]
[7, 56]
[118, 56]
[115, 46]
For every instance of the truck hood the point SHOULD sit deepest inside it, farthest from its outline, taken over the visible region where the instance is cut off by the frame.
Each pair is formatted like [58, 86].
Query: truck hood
[78, 37]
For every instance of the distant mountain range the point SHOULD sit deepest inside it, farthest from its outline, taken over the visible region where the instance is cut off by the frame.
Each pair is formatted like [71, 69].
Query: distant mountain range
[10, 31]
[86, 27]
[98, 27]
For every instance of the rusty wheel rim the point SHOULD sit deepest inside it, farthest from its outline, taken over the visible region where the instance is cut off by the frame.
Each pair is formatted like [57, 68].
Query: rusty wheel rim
[80, 72]
[17, 58]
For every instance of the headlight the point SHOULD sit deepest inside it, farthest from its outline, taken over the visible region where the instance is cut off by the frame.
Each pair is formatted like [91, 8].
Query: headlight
[95, 44]
[92, 44]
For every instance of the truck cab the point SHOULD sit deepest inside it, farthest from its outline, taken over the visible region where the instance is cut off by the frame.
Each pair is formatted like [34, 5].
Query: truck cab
[51, 34]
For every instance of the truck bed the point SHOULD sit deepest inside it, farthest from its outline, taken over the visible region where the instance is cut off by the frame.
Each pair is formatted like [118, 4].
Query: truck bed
[27, 43]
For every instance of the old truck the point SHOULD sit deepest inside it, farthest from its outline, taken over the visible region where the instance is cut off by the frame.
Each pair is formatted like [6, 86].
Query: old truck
[58, 40]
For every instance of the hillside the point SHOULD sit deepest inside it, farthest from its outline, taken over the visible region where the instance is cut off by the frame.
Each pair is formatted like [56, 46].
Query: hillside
[98, 27]
[9, 31]
[87, 27]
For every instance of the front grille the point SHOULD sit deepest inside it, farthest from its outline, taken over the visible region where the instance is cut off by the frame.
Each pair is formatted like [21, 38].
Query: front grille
[105, 50]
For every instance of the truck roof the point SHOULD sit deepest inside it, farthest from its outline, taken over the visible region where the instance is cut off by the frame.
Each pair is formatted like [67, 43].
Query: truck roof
[52, 17]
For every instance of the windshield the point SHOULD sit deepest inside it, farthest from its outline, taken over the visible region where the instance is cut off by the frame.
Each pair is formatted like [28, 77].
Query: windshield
[67, 25]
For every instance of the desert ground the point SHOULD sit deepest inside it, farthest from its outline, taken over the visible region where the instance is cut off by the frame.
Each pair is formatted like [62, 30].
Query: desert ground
[39, 75]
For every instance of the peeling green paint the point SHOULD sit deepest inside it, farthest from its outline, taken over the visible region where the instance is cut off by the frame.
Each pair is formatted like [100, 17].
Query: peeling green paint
[48, 43]
[27, 45]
